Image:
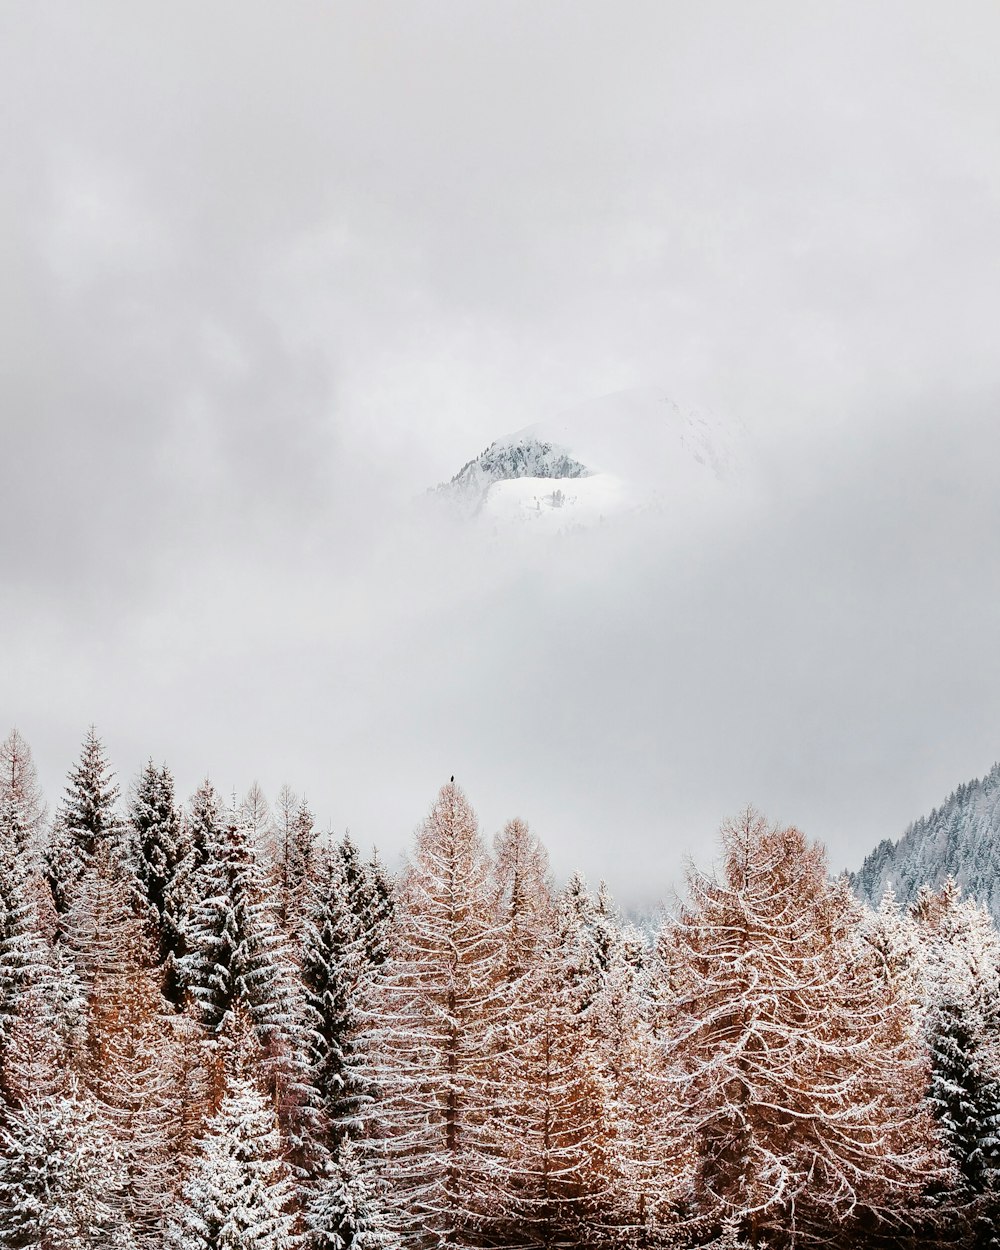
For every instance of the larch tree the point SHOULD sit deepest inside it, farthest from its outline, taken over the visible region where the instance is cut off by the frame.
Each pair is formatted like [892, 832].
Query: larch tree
[523, 897]
[652, 1160]
[794, 1057]
[255, 812]
[127, 1061]
[20, 794]
[553, 1130]
[431, 1040]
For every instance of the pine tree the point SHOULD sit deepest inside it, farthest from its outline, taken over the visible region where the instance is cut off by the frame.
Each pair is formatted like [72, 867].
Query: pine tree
[431, 1041]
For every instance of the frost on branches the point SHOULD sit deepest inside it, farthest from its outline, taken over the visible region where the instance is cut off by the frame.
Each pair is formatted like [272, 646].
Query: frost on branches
[791, 1051]
[221, 1029]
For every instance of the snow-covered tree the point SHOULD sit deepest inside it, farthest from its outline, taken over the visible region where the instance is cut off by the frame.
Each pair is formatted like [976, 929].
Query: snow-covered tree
[794, 1056]
[20, 794]
[238, 961]
[255, 812]
[335, 977]
[370, 891]
[47, 1027]
[347, 1211]
[958, 963]
[20, 940]
[62, 1182]
[87, 818]
[523, 897]
[235, 948]
[127, 1061]
[238, 1194]
[431, 1041]
[295, 838]
[552, 1129]
[156, 850]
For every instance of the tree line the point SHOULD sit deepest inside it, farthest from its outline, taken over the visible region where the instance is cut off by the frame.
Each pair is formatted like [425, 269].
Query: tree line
[221, 1029]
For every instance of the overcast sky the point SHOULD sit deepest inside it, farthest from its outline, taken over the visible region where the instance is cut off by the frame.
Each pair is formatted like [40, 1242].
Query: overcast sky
[268, 271]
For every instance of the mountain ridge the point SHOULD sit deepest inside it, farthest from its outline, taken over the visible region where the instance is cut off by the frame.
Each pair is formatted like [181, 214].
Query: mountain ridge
[959, 839]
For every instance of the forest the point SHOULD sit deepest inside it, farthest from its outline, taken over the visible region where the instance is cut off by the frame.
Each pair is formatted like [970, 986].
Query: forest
[221, 1028]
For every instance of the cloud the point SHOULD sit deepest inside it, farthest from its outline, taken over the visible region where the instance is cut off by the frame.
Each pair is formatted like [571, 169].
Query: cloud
[270, 272]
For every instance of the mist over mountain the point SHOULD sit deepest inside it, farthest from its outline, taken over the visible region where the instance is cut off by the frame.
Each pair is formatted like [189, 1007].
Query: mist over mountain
[628, 452]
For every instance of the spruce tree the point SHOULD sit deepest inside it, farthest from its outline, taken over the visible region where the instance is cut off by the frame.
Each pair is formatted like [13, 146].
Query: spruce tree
[369, 890]
[62, 1183]
[157, 847]
[236, 952]
[335, 977]
[347, 1211]
[86, 819]
[238, 964]
[89, 809]
[958, 964]
[20, 941]
[295, 846]
[238, 1194]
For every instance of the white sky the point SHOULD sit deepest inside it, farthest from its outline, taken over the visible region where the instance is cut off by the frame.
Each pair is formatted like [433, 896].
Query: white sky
[269, 270]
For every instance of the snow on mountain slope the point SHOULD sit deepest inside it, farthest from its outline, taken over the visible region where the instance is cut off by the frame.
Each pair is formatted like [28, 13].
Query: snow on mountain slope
[624, 453]
[959, 839]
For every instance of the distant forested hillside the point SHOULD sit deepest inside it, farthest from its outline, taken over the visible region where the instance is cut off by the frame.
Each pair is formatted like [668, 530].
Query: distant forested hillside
[959, 839]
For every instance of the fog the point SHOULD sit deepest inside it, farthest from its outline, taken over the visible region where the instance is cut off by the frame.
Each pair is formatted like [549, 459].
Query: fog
[270, 272]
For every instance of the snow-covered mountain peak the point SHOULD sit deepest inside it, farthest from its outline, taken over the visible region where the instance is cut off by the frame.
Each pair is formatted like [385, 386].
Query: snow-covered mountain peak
[630, 451]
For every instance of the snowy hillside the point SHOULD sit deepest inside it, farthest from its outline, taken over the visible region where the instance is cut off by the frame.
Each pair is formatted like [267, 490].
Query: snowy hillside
[960, 839]
[631, 451]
